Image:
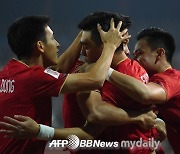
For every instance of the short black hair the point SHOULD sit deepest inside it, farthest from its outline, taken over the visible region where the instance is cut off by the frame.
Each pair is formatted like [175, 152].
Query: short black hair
[158, 38]
[25, 32]
[89, 23]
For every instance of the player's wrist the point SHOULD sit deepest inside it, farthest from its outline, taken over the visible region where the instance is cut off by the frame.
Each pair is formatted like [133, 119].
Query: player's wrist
[109, 73]
[110, 46]
[38, 130]
[45, 132]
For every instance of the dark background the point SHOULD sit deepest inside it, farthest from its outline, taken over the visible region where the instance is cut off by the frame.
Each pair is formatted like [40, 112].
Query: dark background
[66, 14]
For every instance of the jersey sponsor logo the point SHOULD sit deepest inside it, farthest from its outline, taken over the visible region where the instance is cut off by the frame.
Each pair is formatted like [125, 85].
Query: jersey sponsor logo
[145, 78]
[51, 72]
[7, 86]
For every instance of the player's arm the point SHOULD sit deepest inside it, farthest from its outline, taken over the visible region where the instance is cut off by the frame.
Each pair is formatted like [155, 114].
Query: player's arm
[88, 132]
[24, 127]
[97, 111]
[150, 93]
[94, 78]
[68, 59]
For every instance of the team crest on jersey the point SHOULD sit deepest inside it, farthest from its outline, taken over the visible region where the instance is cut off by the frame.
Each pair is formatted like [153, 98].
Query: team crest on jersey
[51, 72]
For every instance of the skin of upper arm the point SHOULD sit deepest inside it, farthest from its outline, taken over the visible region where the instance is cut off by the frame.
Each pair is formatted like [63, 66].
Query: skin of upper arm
[155, 94]
[89, 102]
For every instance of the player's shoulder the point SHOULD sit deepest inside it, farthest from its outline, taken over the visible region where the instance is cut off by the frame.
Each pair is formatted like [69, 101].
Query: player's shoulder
[131, 65]
[170, 74]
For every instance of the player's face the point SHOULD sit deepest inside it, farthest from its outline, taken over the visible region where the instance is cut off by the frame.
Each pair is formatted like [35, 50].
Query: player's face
[126, 49]
[90, 50]
[51, 48]
[145, 56]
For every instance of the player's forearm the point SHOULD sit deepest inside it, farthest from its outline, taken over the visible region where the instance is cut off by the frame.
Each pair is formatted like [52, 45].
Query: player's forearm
[109, 115]
[96, 111]
[67, 60]
[63, 133]
[134, 88]
[150, 93]
[100, 69]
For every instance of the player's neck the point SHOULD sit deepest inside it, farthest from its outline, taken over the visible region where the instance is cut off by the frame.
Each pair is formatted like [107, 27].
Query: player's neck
[163, 66]
[33, 61]
[118, 58]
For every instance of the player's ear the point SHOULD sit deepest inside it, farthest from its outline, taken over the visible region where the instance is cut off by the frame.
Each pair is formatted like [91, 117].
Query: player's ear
[160, 52]
[40, 46]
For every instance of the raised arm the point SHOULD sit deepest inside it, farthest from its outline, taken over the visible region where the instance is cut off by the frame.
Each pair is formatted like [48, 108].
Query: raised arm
[150, 93]
[94, 78]
[68, 59]
[97, 111]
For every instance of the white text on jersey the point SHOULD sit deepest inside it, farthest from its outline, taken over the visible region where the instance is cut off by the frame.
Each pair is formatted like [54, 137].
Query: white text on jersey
[7, 86]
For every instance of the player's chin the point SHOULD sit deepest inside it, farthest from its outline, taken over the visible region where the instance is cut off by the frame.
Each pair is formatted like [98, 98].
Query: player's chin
[55, 62]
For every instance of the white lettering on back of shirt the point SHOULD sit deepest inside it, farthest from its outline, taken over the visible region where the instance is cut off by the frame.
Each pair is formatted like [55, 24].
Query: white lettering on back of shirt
[7, 86]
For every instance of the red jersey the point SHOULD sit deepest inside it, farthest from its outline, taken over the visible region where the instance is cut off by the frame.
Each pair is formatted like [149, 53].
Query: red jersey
[72, 115]
[116, 97]
[170, 111]
[27, 91]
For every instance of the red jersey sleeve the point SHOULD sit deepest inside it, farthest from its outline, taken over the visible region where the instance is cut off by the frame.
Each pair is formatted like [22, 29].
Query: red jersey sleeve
[165, 83]
[46, 82]
[170, 111]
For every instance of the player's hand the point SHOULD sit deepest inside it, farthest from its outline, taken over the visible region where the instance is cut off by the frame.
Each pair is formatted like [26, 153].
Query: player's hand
[161, 129]
[19, 127]
[147, 120]
[113, 36]
[82, 68]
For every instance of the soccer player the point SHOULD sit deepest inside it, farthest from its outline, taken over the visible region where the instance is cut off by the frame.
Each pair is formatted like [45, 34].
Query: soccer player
[154, 51]
[95, 109]
[27, 85]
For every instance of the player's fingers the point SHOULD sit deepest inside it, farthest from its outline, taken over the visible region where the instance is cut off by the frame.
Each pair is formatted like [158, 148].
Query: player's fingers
[112, 23]
[7, 132]
[153, 115]
[17, 133]
[8, 126]
[119, 25]
[21, 118]
[99, 29]
[13, 121]
[126, 37]
[124, 32]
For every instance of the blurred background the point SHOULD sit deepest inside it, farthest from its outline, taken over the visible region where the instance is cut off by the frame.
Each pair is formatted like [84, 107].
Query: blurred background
[66, 14]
